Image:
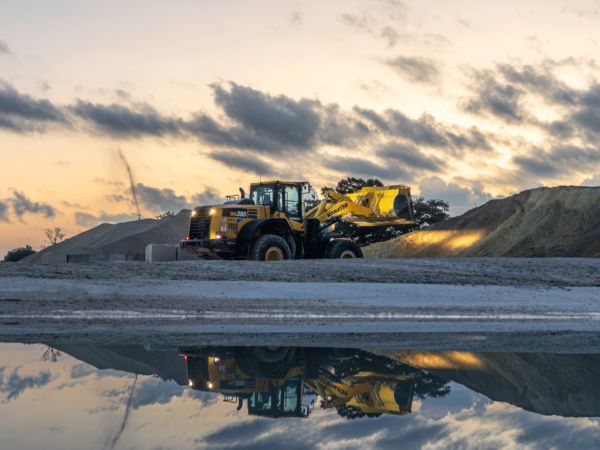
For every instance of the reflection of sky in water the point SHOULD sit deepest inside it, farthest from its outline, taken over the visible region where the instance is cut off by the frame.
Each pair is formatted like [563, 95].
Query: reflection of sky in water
[72, 405]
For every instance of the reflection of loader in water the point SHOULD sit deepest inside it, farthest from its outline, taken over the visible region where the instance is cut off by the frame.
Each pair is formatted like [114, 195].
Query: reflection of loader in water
[276, 388]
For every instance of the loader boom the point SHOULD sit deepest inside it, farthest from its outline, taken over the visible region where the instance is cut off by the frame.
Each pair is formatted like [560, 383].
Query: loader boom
[369, 207]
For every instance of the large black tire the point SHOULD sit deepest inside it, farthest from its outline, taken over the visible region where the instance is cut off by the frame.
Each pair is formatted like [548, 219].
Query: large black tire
[343, 249]
[270, 354]
[269, 247]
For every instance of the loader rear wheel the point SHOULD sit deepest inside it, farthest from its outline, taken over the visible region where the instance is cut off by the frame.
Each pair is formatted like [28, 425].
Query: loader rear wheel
[343, 249]
[270, 247]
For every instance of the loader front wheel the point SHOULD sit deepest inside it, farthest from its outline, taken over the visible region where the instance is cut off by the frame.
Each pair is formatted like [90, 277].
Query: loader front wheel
[270, 354]
[270, 247]
[343, 249]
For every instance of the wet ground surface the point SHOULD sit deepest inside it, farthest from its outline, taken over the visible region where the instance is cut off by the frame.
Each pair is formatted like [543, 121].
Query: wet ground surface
[469, 353]
[96, 395]
[560, 319]
[543, 272]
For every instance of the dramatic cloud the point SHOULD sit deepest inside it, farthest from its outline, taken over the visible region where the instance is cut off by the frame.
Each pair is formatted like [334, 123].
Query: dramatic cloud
[121, 121]
[502, 101]
[557, 160]
[426, 131]
[410, 156]
[4, 211]
[242, 161]
[415, 70]
[13, 384]
[21, 113]
[21, 204]
[593, 181]
[459, 198]
[510, 94]
[161, 200]
[257, 123]
[210, 196]
[365, 168]
[279, 119]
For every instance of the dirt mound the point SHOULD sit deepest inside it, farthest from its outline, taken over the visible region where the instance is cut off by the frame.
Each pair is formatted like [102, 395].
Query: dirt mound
[546, 384]
[127, 237]
[562, 221]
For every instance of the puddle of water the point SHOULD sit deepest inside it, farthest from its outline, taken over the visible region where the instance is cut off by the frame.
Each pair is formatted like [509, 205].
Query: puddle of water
[68, 396]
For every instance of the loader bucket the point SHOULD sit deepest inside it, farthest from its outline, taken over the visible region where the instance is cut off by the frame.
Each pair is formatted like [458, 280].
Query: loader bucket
[388, 205]
[403, 207]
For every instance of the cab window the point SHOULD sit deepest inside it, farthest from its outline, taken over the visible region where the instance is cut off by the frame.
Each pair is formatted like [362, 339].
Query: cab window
[262, 194]
[293, 202]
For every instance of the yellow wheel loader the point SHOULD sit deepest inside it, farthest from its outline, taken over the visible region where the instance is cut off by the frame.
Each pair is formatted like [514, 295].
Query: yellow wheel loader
[275, 389]
[272, 224]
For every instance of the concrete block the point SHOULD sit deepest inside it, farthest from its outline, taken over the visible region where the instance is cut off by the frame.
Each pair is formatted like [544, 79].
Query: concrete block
[135, 257]
[117, 257]
[160, 253]
[185, 256]
[78, 258]
[54, 258]
[97, 257]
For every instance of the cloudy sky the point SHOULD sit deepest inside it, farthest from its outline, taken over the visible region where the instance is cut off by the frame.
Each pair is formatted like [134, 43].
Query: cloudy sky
[463, 101]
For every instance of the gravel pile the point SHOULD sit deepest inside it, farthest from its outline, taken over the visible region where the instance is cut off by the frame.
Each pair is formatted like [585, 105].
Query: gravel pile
[562, 221]
[127, 237]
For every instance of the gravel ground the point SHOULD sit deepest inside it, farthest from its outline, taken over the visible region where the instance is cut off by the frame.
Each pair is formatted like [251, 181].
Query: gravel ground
[69, 306]
[542, 272]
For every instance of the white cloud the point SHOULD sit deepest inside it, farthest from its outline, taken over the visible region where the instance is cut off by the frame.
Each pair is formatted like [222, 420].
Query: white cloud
[460, 198]
[593, 181]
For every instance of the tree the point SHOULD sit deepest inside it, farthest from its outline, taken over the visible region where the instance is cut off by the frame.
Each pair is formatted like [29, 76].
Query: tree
[54, 236]
[427, 212]
[165, 215]
[352, 412]
[51, 354]
[19, 253]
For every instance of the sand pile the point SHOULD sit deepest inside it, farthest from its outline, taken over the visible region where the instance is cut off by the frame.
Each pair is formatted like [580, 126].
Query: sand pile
[562, 221]
[546, 384]
[127, 237]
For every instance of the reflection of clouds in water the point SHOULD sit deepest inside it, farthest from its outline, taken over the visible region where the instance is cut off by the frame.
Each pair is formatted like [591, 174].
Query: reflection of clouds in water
[152, 391]
[12, 384]
[463, 420]
[168, 415]
[438, 408]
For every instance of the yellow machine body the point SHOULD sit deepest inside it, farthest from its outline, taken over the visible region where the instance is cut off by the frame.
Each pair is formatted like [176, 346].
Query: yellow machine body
[369, 207]
[367, 391]
[278, 208]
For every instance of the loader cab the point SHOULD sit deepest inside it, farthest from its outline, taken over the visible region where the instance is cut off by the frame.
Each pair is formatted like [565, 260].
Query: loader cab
[280, 401]
[280, 197]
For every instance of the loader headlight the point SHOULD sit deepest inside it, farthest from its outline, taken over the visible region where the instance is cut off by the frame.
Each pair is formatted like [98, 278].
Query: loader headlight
[193, 213]
[210, 385]
[191, 383]
[212, 211]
